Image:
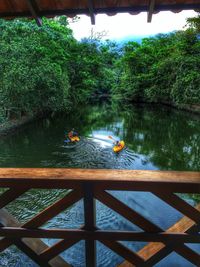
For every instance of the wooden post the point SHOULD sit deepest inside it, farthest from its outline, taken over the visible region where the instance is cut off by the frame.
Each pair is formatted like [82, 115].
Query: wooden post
[151, 10]
[90, 223]
[34, 11]
[91, 11]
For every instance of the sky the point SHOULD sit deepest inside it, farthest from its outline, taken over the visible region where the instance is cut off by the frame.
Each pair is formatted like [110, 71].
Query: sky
[125, 26]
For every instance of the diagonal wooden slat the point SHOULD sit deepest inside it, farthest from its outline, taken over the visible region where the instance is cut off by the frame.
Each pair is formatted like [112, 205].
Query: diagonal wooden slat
[153, 252]
[5, 243]
[126, 211]
[159, 254]
[123, 251]
[179, 204]
[33, 246]
[31, 253]
[50, 252]
[162, 251]
[10, 195]
[53, 210]
[188, 254]
[57, 248]
[47, 214]
[123, 208]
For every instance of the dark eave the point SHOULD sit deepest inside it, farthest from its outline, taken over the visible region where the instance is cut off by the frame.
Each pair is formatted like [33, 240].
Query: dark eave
[46, 8]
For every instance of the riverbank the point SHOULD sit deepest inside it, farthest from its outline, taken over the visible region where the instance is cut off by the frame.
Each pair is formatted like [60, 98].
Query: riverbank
[186, 107]
[12, 125]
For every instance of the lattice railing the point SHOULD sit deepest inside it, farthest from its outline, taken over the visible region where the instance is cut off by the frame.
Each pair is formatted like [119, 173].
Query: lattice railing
[92, 185]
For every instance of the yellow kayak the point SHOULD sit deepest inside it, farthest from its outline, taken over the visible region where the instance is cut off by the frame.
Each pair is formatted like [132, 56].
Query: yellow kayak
[119, 148]
[74, 139]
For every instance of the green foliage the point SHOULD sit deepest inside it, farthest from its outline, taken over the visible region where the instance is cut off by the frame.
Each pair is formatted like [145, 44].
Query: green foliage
[45, 69]
[34, 70]
[92, 72]
[162, 69]
[186, 85]
[194, 23]
[85, 70]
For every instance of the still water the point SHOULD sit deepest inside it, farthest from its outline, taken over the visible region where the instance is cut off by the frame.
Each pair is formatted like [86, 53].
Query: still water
[156, 138]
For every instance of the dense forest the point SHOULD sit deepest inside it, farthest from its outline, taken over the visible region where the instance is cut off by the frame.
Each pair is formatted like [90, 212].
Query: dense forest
[46, 69]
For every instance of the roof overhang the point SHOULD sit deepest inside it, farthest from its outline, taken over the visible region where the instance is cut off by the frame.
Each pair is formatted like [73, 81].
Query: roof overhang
[36, 9]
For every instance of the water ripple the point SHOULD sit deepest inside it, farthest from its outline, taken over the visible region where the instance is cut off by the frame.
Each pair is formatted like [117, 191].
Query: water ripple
[91, 153]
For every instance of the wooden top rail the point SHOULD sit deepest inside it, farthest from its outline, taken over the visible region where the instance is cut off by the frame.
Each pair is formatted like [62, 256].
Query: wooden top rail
[106, 179]
[91, 185]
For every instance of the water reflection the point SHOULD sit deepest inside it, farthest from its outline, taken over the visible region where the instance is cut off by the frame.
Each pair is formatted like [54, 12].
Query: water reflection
[156, 138]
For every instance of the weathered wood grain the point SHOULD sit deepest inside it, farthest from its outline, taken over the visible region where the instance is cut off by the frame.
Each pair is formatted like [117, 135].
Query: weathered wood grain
[105, 179]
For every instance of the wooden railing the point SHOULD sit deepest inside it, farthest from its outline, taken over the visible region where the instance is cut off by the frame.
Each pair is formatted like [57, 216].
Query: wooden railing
[91, 185]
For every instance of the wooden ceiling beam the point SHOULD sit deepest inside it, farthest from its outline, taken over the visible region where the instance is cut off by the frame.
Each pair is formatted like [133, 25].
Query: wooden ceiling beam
[151, 10]
[35, 11]
[78, 11]
[91, 11]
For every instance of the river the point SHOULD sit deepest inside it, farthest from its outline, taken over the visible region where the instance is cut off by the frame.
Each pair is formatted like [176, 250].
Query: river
[156, 138]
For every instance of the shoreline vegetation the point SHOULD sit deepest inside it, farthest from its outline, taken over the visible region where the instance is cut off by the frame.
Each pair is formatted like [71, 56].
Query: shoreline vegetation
[15, 124]
[10, 126]
[186, 107]
[46, 70]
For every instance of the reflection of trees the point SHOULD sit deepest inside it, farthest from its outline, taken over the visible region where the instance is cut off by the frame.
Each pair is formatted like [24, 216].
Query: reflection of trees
[166, 137]
[169, 138]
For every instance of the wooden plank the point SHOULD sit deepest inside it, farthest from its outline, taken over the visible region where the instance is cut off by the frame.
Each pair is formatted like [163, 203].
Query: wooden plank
[16, 232]
[51, 252]
[184, 251]
[5, 243]
[126, 211]
[10, 195]
[124, 252]
[106, 179]
[90, 223]
[180, 205]
[31, 253]
[54, 209]
[188, 254]
[99, 174]
[151, 10]
[48, 213]
[154, 252]
[36, 245]
[91, 11]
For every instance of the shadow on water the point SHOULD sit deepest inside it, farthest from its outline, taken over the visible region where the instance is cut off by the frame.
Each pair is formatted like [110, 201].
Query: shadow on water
[157, 138]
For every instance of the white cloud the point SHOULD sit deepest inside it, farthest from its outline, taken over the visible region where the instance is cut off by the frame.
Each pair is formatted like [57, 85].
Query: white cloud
[126, 25]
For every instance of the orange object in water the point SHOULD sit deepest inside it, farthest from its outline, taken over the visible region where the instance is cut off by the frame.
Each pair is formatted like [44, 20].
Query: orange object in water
[74, 139]
[119, 147]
